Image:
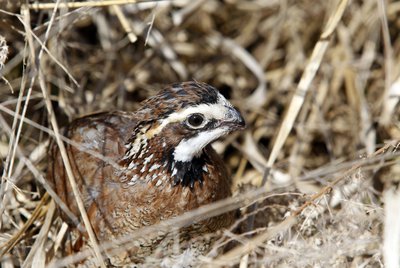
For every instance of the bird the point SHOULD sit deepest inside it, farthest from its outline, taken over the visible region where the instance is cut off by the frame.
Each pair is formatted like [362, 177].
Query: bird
[135, 169]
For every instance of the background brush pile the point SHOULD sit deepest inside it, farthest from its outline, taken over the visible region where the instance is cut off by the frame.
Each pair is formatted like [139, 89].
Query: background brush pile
[327, 72]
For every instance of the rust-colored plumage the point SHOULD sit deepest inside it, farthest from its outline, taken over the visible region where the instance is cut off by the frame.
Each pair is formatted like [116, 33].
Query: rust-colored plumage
[135, 169]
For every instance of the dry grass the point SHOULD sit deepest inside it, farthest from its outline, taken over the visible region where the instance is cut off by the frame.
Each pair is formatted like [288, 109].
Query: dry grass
[315, 174]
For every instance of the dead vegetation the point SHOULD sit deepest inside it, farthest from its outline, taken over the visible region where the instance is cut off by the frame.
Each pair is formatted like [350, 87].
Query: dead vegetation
[316, 172]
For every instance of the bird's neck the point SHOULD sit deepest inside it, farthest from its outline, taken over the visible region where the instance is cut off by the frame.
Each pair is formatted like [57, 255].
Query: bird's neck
[187, 173]
[153, 159]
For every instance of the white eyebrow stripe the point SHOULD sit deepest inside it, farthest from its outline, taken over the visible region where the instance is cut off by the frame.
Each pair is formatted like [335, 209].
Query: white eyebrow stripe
[217, 110]
[210, 111]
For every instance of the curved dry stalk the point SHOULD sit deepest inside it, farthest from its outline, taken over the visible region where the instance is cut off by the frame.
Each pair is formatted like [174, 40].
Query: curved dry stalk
[305, 81]
[92, 237]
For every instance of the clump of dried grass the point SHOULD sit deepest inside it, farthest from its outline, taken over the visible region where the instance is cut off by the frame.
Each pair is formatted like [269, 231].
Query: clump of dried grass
[318, 83]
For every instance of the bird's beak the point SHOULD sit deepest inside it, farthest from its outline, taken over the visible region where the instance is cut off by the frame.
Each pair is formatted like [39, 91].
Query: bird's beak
[233, 119]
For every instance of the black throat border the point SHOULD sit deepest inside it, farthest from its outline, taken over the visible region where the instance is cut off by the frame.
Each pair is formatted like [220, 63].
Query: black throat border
[187, 173]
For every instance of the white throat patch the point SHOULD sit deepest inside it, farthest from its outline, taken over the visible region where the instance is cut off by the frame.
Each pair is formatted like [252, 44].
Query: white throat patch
[187, 149]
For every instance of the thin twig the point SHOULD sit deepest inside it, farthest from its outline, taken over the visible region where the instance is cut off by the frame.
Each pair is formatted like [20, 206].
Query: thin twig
[89, 229]
[38, 6]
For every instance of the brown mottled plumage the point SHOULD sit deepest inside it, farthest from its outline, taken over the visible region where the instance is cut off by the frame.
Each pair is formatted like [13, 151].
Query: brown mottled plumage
[156, 163]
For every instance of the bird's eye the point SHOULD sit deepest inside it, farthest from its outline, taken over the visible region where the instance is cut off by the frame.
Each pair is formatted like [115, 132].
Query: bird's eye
[195, 120]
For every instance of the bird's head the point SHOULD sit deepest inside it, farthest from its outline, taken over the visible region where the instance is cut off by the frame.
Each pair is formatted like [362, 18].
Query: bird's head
[181, 120]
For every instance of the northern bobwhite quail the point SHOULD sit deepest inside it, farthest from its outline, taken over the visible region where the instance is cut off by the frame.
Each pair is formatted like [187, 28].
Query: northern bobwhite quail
[156, 163]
